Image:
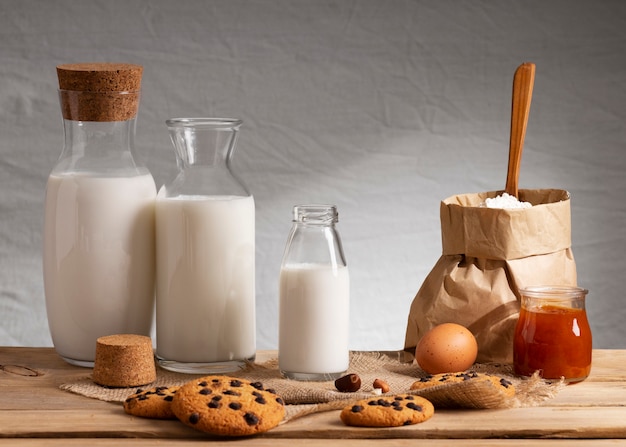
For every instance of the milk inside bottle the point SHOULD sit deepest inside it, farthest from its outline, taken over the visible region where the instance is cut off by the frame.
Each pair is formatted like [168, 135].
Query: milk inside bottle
[205, 226]
[99, 249]
[314, 298]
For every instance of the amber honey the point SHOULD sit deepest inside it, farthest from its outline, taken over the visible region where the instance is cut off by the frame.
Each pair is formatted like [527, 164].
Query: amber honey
[553, 335]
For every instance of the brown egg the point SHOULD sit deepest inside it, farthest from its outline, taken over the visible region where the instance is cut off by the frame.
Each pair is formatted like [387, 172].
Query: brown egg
[446, 348]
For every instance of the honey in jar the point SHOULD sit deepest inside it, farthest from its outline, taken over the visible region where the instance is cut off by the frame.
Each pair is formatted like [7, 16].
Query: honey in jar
[553, 335]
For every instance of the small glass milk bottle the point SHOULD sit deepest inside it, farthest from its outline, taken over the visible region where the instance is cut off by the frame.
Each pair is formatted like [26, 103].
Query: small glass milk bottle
[314, 298]
[98, 239]
[205, 221]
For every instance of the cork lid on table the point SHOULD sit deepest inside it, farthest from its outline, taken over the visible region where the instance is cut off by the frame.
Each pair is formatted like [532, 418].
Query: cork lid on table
[124, 360]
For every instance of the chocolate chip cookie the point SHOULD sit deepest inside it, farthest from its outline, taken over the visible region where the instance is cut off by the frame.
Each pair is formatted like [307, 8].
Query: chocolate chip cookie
[502, 384]
[388, 411]
[152, 403]
[228, 406]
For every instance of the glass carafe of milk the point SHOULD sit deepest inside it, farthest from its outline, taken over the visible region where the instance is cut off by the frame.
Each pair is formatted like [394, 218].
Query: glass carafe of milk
[98, 241]
[314, 298]
[205, 221]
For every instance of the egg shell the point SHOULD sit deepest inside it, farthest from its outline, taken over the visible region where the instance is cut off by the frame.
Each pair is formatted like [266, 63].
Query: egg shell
[446, 348]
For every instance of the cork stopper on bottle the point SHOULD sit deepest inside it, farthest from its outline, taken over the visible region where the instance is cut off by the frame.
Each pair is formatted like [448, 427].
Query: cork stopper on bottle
[99, 91]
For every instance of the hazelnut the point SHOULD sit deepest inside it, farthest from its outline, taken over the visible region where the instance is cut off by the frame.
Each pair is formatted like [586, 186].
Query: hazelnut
[349, 383]
[381, 385]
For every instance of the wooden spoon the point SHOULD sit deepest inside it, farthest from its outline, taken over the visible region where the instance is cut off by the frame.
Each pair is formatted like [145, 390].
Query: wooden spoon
[523, 82]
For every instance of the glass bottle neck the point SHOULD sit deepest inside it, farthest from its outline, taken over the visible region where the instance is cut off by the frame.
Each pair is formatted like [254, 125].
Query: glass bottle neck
[313, 238]
[99, 147]
[203, 142]
[204, 148]
[315, 215]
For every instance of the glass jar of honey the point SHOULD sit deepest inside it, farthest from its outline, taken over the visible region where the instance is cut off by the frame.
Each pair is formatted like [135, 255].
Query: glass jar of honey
[553, 335]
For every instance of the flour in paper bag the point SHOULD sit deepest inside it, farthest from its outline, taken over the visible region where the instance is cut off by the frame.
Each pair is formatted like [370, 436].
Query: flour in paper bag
[506, 201]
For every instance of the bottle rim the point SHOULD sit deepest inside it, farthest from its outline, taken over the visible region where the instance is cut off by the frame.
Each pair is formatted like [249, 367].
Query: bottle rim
[554, 292]
[205, 122]
[319, 214]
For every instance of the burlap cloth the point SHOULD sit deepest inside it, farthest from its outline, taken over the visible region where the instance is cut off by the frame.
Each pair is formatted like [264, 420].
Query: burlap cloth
[303, 398]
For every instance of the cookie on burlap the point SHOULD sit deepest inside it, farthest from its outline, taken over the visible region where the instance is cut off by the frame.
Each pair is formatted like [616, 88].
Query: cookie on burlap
[446, 378]
[227, 406]
[388, 411]
[153, 403]
[469, 389]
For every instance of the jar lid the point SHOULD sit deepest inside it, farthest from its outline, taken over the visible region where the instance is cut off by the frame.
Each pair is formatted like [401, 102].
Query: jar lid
[99, 91]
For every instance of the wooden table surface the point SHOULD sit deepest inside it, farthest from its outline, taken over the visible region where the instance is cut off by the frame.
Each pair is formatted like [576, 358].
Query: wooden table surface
[34, 411]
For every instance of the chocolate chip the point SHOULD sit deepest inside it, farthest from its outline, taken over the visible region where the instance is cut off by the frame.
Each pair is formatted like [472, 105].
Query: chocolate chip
[203, 383]
[271, 390]
[236, 383]
[257, 385]
[215, 402]
[251, 418]
[194, 418]
[205, 391]
[414, 406]
[505, 383]
[260, 400]
[168, 398]
[234, 406]
[232, 393]
[280, 401]
[357, 408]
[397, 408]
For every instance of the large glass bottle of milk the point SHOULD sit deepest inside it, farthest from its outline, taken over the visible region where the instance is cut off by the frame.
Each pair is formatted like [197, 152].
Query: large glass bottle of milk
[99, 247]
[314, 298]
[205, 221]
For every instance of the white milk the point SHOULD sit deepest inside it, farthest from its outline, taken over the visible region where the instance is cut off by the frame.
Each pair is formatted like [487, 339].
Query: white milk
[98, 260]
[314, 319]
[205, 279]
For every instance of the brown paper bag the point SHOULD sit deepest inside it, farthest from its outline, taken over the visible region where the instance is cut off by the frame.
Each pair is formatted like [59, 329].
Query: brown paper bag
[488, 255]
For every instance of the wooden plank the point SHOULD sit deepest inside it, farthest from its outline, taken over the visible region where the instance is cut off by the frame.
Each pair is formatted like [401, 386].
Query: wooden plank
[264, 442]
[592, 394]
[545, 422]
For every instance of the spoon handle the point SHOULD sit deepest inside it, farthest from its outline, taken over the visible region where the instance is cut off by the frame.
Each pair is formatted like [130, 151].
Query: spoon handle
[523, 82]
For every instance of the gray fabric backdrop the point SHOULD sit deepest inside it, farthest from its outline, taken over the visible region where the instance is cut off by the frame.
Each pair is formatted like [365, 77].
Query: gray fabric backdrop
[383, 108]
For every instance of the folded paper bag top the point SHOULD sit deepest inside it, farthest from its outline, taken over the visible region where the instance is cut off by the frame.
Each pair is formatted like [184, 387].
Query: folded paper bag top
[488, 254]
[474, 230]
